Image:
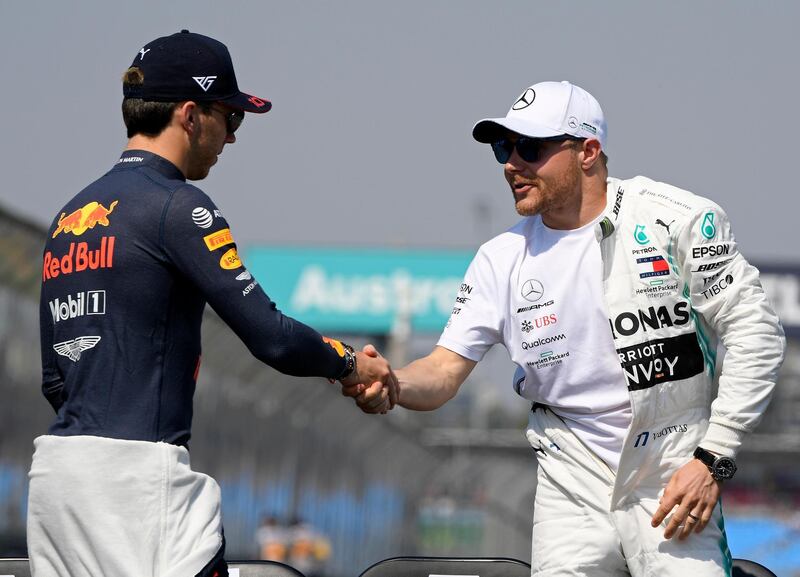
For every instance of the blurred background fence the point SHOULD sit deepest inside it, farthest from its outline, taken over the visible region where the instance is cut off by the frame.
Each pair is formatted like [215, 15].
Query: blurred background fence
[458, 481]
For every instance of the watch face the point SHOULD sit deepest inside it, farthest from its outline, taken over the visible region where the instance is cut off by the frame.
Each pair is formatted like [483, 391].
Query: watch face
[724, 468]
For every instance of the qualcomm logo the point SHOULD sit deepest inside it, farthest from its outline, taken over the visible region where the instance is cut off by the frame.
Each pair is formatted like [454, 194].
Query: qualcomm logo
[204, 82]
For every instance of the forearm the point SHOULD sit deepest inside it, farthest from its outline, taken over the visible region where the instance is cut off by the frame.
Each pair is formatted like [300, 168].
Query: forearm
[428, 383]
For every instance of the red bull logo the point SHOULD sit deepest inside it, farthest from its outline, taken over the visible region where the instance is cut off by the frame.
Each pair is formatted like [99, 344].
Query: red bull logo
[82, 219]
[79, 258]
[336, 345]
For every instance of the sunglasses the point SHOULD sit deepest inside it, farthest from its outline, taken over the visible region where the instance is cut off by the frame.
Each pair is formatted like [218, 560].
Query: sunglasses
[529, 149]
[233, 119]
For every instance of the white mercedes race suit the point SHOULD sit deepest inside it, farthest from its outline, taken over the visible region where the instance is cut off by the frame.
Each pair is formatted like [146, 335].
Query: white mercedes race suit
[674, 283]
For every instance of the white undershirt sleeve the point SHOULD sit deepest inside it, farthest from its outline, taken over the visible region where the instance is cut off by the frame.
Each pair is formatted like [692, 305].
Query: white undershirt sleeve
[476, 323]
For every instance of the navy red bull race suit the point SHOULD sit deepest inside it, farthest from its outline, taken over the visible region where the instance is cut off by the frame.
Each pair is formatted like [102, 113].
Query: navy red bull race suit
[128, 268]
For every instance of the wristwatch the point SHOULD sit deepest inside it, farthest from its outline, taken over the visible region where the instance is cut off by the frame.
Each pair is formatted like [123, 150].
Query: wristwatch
[350, 362]
[722, 468]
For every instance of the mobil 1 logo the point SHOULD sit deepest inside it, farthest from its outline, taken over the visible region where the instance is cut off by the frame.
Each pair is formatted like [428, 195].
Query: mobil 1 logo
[78, 305]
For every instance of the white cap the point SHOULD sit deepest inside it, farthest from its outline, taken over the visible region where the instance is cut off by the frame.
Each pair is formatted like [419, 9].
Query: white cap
[545, 110]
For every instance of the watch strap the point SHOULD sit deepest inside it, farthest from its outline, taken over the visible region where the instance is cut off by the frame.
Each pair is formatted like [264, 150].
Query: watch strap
[706, 457]
[351, 364]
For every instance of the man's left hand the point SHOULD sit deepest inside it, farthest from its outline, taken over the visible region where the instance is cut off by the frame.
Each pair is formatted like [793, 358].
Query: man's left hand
[695, 493]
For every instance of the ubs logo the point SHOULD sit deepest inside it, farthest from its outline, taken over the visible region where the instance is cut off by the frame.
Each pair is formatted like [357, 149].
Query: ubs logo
[532, 290]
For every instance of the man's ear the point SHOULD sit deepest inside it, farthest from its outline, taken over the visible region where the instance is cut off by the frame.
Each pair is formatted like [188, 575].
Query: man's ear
[186, 115]
[591, 153]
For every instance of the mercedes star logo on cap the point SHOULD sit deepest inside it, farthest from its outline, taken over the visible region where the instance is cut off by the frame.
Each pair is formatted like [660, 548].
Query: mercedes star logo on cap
[532, 290]
[525, 100]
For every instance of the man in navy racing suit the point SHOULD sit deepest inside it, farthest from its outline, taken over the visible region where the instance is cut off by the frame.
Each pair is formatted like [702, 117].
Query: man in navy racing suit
[129, 265]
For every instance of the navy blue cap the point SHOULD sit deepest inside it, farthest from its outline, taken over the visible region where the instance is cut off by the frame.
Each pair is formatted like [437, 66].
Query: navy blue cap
[190, 66]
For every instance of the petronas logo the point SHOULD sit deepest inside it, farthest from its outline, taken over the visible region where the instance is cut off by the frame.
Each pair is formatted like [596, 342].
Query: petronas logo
[707, 229]
[640, 236]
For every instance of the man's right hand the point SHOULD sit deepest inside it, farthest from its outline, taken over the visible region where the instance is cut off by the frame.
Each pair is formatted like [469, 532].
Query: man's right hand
[373, 384]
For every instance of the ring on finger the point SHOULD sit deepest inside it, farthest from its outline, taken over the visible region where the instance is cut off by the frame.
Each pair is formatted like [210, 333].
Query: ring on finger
[692, 518]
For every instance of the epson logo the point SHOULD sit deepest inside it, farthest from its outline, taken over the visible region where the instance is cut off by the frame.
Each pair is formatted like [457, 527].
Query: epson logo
[710, 250]
[83, 303]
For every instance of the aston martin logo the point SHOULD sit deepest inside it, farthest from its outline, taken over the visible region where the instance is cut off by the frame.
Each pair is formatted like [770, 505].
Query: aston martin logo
[532, 290]
[525, 100]
[73, 349]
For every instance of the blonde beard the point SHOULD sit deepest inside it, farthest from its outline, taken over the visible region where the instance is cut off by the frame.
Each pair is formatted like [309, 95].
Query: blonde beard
[554, 195]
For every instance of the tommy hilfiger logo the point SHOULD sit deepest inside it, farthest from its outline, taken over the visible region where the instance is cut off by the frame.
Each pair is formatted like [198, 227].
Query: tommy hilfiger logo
[204, 82]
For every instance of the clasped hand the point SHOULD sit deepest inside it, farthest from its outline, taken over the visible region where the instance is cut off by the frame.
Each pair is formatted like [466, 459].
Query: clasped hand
[374, 385]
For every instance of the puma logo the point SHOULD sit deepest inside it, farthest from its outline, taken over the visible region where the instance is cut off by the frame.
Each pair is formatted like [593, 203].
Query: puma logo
[661, 222]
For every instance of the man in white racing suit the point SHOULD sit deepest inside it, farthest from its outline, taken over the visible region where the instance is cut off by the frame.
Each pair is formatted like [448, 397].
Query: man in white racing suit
[611, 297]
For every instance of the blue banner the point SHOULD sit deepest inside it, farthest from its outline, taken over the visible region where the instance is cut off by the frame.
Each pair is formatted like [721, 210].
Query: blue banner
[361, 290]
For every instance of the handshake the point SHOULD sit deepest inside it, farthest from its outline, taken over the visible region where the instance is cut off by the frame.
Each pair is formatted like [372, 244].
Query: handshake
[373, 385]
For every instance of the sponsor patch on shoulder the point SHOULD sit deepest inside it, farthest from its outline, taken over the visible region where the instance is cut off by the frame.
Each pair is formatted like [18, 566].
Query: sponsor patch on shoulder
[217, 239]
[230, 260]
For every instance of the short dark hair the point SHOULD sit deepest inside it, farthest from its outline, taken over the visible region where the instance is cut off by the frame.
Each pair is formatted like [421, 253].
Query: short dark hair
[144, 116]
[148, 117]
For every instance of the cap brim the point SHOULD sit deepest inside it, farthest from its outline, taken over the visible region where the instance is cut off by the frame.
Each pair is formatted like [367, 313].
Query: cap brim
[491, 130]
[248, 103]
